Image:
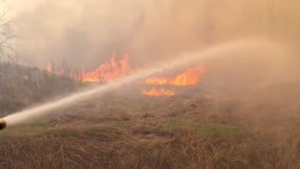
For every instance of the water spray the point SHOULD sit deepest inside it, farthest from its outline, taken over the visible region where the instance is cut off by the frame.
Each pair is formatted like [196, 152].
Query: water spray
[192, 58]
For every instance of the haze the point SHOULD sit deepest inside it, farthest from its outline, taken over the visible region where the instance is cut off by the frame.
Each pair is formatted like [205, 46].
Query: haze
[87, 32]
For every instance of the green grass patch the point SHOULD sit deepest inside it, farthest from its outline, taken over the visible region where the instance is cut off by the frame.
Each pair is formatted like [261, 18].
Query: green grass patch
[177, 124]
[222, 132]
[24, 130]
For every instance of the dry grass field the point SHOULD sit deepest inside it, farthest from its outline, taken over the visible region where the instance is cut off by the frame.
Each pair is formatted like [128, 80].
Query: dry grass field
[197, 128]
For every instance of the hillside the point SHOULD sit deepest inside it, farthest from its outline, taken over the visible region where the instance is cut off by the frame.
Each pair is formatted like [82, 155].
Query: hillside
[25, 86]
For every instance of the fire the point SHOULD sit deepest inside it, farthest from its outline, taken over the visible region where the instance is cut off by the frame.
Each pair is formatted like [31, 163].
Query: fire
[49, 67]
[158, 92]
[105, 72]
[108, 71]
[189, 77]
[112, 69]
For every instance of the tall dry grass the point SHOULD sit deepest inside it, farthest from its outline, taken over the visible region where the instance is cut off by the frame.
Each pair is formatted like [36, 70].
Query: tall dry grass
[124, 131]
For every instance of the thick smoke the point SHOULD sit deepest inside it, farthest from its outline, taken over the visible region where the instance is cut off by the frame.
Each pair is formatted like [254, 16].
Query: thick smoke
[87, 32]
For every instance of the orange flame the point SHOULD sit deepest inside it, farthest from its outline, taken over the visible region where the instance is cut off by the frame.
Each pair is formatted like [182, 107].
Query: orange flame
[111, 70]
[108, 71]
[158, 92]
[49, 67]
[105, 72]
[189, 77]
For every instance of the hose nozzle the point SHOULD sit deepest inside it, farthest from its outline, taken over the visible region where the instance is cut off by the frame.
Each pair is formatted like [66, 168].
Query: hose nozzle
[2, 124]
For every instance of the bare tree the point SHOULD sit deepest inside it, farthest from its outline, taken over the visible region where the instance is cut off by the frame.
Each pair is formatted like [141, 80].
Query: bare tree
[7, 36]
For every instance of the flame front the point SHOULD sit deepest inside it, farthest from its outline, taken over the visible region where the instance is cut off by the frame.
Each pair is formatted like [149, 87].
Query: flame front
[108, 71]
[112, 70]
[189, 77]
[49, 67]
[158, 92]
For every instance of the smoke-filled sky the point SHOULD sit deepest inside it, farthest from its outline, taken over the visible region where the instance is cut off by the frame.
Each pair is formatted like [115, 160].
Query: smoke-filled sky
[87, 32]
